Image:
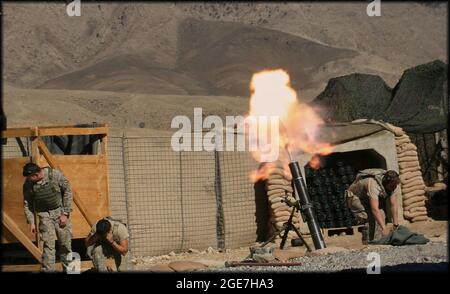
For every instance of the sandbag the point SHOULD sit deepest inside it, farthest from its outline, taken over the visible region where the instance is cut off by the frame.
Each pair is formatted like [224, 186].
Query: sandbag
[415, 204]
[411, 200]
[285, 218]
[280, 225]
[273, 192]
[411, 215]
[406, 147]
[409, 175]
[409, 164]
[413, 194]
[409, 169]
[283, 207]
[277, 205]
[279, 171]
[404, 136]
[413, 188]
[402, 141]
[276, 199]
[278, 182]
[409, 181]
[414, 209]
[279, 195]
[275, 187]
[413, 183]
[419, 219]
[406, 153]
[408, 159]
[275, 177]
[398, 132]
[282, 213]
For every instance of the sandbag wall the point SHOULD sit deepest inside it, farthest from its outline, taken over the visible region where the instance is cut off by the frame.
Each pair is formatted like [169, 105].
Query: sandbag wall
[412, 184]
[279, 189]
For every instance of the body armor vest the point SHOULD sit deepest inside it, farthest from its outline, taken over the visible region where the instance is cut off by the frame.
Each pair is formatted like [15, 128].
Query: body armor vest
[47, 196]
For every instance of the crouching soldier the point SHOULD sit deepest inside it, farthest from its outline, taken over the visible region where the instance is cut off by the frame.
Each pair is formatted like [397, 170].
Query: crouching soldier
[366, 198]
[108, 239]
[47, 193]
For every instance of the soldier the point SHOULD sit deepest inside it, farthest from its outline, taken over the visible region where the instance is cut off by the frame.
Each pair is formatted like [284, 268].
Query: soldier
[369, 191]
[108, 238]
[47, 193]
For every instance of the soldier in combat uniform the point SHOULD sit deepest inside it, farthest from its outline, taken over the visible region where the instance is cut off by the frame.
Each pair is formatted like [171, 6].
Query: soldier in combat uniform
[371, 189]
[47, 193]
[108, 239]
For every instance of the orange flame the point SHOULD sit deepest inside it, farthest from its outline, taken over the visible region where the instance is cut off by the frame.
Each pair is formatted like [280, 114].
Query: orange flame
[272, 95]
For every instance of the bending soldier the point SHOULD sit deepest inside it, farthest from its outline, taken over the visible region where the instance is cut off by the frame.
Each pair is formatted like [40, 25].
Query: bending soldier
[47, 193]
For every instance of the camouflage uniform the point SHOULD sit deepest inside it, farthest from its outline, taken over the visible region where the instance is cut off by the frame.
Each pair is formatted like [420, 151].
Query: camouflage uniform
[49, 230]
[368, 184]
[101, 251]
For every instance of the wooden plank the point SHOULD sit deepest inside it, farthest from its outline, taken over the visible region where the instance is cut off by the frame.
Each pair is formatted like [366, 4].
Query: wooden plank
[79, 159]
[54, 131]
[12, 197]
[11, 226]
[18, 132]
[72, 131]
[35, 157]
[69, 126]
[104, 146]
[84, 265]
[76, 198]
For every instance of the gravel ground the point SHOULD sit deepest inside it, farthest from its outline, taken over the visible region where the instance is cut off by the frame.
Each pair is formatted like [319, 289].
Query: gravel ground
[432, 256]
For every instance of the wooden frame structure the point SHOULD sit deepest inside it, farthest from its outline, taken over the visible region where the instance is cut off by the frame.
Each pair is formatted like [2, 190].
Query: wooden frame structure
[87, 174]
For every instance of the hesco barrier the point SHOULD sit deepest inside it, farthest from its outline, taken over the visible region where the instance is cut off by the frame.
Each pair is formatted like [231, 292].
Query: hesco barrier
[174, 201]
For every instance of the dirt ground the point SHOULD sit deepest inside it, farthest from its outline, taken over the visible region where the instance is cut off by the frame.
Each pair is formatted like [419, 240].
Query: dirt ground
[433, 230]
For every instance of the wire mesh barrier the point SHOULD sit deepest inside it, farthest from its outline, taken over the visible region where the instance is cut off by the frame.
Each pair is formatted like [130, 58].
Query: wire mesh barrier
[171, 201]
[116, 175]
[16, 147]
[245, 207]
[180, 200]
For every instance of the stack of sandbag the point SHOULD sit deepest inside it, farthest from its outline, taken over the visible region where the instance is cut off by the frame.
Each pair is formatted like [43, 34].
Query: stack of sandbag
[278, 187]
[412, 184]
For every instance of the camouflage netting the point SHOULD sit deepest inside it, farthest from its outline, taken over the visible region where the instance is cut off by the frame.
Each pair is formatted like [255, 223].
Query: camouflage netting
[418, 104]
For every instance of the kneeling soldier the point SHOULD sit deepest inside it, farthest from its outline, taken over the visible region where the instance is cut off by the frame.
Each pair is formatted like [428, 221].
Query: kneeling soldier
[108, 238]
